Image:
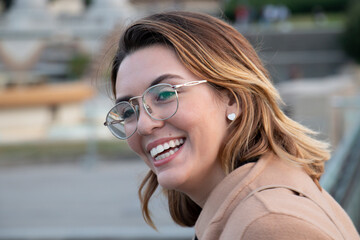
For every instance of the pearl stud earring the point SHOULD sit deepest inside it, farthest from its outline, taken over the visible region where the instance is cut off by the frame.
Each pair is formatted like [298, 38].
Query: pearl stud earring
[231, 116]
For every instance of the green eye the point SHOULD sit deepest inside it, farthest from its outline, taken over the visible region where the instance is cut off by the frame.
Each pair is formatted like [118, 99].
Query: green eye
[165, 95]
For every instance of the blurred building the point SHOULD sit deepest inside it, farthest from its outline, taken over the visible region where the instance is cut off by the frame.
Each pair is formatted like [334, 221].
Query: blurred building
[46, 51]
[51, 34]
[328, 105]
[49, 50]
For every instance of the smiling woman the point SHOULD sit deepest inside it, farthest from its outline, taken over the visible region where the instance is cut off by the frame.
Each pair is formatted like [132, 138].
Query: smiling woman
[196, 104]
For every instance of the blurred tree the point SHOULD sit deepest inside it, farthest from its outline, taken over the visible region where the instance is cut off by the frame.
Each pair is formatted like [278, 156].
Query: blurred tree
[229, 8]
[77, 65]
[87, 3]
[6, 4]
[303, 6]
[351, 37]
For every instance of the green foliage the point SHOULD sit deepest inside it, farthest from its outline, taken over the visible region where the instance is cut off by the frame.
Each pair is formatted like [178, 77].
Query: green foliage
[304, 6]
[301, 6]
[77, 65]
[229, 8]
[351, 37]
[87, 2]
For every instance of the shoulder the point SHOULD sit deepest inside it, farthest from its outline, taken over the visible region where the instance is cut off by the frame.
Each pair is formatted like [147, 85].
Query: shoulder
[281, 226]
[278, 214]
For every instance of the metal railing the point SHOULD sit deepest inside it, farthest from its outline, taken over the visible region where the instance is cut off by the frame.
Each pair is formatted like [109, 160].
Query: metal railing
[342, 174]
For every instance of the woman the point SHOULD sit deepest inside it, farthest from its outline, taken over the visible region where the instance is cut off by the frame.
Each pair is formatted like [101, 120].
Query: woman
[195, 103]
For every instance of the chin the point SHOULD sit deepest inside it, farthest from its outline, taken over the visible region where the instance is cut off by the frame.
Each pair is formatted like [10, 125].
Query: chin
[171, 181]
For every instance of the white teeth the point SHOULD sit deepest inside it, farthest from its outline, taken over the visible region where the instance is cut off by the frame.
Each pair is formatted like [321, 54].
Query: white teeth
[153, 152]
[160, 148]
[168, 154]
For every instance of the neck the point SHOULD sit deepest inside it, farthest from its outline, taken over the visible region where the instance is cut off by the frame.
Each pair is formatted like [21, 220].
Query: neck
[200, 192]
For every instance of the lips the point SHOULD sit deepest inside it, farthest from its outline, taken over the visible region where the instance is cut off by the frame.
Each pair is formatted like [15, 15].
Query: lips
[166, 149]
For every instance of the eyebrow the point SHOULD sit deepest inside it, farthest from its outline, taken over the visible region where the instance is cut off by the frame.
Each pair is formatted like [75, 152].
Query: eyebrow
[157, 80]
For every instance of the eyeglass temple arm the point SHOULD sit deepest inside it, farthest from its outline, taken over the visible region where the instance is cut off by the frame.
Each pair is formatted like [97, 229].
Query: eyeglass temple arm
[112, 122]
[192, 83]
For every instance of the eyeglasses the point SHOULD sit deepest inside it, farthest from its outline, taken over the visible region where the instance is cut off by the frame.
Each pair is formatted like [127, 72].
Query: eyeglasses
[160, 102]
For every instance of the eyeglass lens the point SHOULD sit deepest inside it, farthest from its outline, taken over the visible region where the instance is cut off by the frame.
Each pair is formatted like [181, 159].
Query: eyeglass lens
[160, 102]
[122, 120]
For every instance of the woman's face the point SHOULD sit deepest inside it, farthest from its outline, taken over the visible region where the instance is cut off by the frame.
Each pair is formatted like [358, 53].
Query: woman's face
[194, 134]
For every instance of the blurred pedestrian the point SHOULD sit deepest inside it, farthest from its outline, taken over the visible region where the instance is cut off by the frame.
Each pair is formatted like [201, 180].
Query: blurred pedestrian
[242, 15]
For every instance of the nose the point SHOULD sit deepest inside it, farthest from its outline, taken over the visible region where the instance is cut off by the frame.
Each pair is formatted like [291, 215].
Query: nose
[146, 124]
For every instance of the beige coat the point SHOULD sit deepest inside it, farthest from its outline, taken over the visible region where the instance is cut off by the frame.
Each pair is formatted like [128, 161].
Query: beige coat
[272, 199]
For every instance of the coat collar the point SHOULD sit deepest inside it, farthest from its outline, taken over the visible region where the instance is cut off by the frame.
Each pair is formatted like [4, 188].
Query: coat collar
[237, 181]
[268, 170]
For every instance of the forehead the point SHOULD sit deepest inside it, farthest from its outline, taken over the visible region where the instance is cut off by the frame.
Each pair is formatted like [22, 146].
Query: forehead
[140, 68]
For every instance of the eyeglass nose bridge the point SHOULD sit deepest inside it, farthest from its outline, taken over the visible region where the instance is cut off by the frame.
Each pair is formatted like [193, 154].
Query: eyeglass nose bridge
[136, 106]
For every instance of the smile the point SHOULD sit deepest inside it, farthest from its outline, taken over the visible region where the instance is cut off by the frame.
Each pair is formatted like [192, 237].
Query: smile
[166, 149]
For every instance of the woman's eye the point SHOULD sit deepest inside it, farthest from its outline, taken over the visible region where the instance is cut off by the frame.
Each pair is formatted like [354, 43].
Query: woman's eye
[128, 114]
[165, 95]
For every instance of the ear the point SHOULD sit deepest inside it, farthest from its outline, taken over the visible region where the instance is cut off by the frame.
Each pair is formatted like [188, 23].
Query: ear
[232, 106]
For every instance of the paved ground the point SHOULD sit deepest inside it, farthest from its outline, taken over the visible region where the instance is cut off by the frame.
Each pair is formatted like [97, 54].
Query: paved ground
[79, 201]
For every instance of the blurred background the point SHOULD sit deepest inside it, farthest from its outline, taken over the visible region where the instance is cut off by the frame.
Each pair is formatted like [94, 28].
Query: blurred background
[64, 176]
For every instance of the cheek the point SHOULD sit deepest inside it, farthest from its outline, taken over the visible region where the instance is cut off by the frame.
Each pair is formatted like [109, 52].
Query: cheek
[202, 121]
[204, 114]
[134, 144]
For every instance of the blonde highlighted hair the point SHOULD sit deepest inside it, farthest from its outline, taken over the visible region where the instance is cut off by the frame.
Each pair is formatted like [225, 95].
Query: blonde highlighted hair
[213, 50]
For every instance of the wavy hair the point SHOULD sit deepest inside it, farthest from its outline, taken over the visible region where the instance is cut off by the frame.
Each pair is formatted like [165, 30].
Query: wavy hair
[213, 50]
